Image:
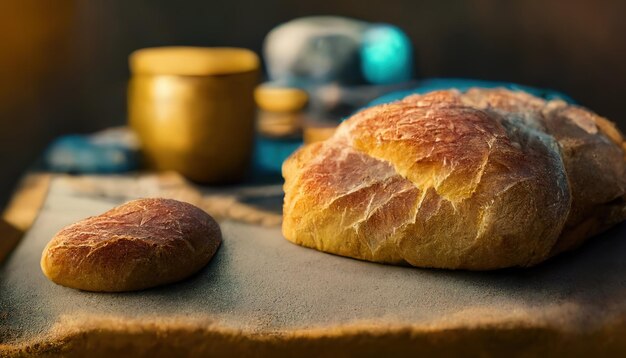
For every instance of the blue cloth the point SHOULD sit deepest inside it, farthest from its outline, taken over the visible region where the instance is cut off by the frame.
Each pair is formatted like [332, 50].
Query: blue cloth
[270, 153]
[81, 155]
[436, 84]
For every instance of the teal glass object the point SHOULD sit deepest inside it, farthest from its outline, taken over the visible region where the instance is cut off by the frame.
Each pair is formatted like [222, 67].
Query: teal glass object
[436, 84]
[270, 153]
[386, 55]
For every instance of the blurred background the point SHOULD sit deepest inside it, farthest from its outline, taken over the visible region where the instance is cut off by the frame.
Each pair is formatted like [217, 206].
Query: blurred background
[64, 69]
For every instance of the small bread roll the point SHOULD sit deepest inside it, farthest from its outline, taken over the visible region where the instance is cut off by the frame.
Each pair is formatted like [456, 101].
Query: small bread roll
[140, 244]
[479, 180]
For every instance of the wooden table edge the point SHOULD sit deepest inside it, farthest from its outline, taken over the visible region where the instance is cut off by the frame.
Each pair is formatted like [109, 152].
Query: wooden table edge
[22, 210]
[154, 339]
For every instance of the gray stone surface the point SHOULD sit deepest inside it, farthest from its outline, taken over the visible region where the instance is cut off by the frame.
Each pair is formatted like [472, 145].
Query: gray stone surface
[258, 281]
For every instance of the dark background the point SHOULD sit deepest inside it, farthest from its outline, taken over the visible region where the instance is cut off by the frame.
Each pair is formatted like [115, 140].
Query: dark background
[63, 64]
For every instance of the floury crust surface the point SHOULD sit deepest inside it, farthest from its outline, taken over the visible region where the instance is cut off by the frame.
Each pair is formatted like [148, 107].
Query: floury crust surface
[479, 180]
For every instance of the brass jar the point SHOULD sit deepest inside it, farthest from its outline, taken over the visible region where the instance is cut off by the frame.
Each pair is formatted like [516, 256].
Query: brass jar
[193, 110]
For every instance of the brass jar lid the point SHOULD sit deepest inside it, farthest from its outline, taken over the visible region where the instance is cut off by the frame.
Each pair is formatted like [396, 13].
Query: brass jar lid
[192, 61]
[280, 99]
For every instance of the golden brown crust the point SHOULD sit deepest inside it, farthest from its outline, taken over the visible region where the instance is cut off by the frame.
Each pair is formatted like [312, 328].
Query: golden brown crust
[481, 180]
[140, 244]
[593, 155]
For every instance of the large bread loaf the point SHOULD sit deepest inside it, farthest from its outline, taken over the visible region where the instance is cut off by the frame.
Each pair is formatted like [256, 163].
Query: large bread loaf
[479, 180]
